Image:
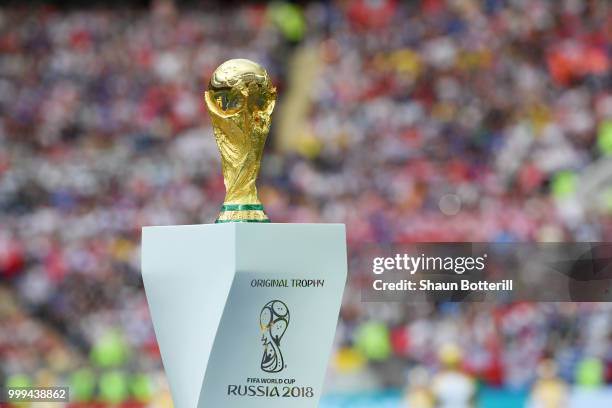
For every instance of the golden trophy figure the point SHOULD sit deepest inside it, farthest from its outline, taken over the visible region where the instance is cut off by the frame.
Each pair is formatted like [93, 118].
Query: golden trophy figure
[236, 304]
[240, 99]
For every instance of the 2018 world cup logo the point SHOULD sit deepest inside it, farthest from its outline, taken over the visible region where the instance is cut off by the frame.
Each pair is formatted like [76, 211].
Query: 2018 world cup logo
[273, 320]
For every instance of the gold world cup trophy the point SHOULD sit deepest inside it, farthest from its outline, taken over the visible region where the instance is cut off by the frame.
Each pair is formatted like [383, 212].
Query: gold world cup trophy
[240, 99]
[190, 269]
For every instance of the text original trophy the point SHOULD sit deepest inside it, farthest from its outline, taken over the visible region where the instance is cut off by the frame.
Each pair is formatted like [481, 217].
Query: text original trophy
[244, 310]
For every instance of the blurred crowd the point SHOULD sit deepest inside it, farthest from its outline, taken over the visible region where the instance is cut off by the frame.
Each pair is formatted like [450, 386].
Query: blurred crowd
[431, 120]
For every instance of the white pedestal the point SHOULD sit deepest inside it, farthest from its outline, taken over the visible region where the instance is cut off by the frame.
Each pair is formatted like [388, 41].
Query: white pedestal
[222, 295]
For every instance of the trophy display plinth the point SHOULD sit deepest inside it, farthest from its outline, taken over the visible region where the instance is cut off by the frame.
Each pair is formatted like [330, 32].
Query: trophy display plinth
[245, 313]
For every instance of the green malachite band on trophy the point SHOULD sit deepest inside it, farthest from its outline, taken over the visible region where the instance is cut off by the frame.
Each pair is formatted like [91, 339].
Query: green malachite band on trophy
[242, 213]
[225, 221]
[242, 207]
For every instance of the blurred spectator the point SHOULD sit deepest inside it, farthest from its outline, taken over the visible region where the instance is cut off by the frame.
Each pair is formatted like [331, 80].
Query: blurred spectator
[452, 387]
[418, 394]
[549, 391]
